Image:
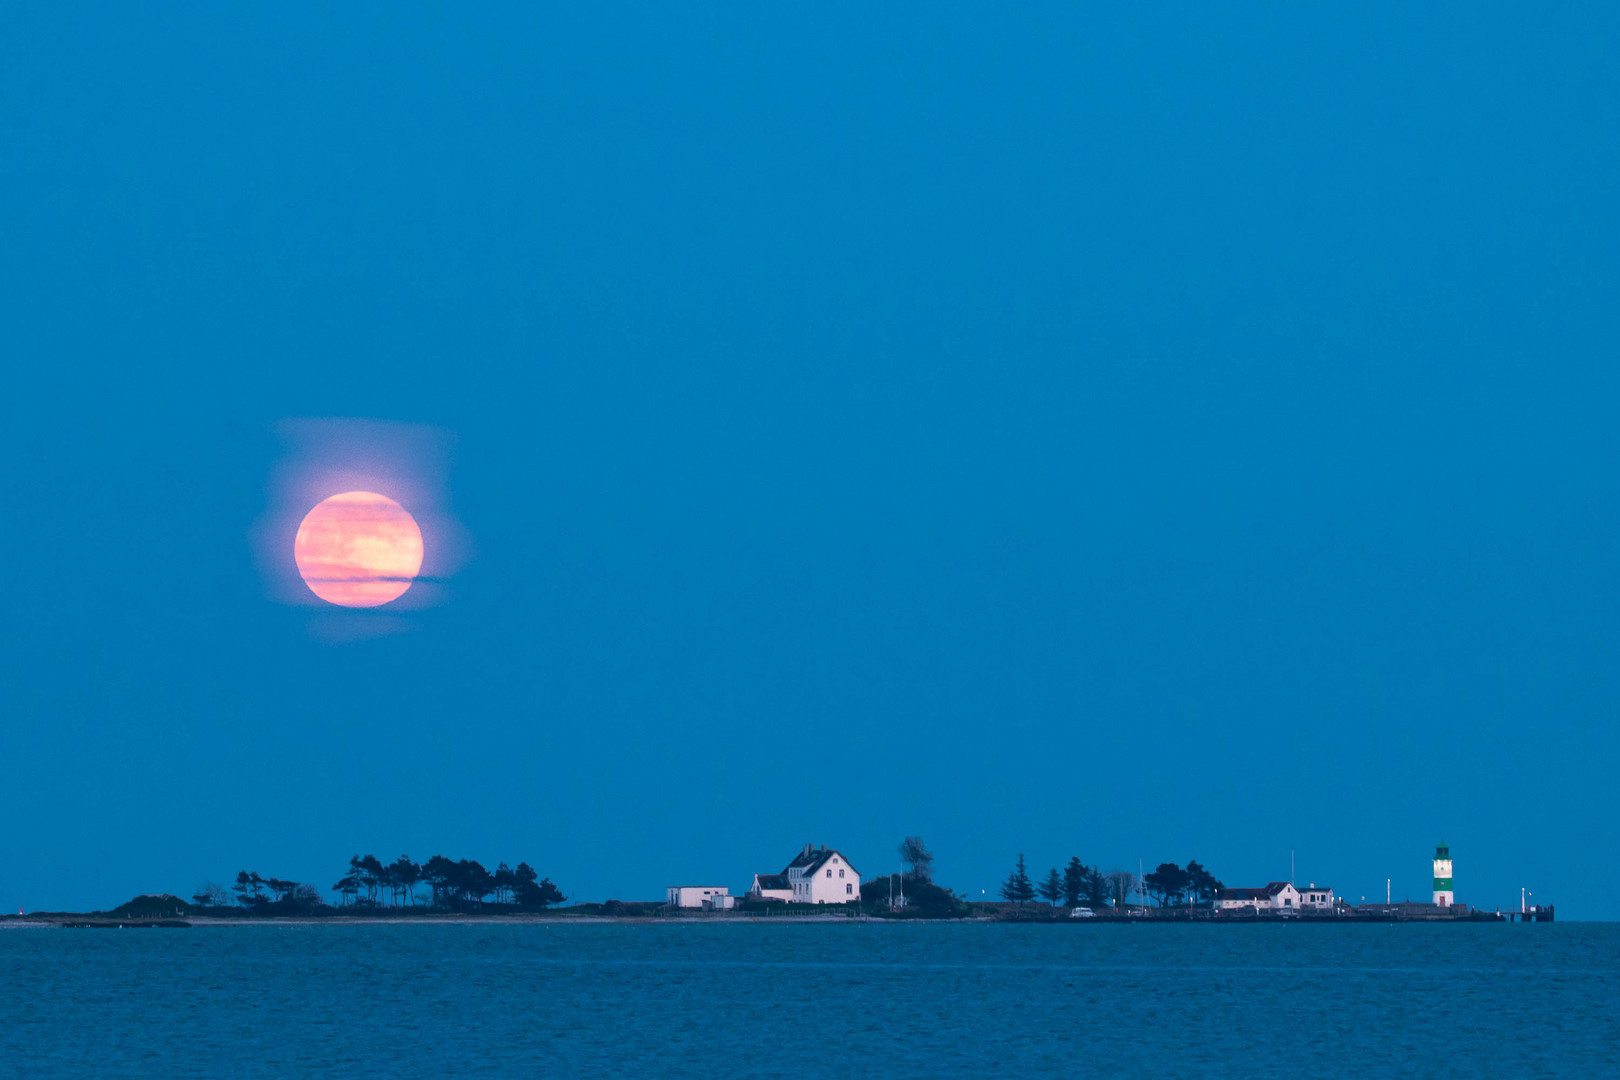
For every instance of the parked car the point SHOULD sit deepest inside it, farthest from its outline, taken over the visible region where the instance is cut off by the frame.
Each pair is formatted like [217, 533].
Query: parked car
[1082, 913]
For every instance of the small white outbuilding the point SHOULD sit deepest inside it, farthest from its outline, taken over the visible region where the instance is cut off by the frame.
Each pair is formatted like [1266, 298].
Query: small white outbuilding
[695, 896]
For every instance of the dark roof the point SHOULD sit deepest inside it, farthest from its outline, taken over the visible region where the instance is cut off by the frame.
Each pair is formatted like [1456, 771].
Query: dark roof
[811, 859]
[815, 864]
[1243, 894]
[771, 881]
[804, 858]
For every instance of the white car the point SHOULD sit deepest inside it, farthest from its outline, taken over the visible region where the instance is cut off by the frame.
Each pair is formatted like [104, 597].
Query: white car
[1082, 913]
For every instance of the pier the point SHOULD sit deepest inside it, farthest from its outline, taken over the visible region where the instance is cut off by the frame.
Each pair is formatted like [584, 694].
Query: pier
[1530, 913]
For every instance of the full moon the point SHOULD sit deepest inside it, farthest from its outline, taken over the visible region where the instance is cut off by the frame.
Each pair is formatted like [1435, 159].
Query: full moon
[358, 549]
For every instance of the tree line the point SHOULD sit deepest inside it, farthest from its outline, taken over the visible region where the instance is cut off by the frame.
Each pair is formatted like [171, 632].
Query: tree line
[456, 884]
[453, 882]
[1074, 885]
[1169, 884]
[1078, 884]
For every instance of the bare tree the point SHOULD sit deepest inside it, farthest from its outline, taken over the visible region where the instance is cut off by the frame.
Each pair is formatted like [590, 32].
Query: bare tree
[915, 855]
[1121, 883]
[211, 894]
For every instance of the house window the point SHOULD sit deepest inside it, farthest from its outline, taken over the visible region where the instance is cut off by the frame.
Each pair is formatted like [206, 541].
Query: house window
[829, 873]
[840, 873]
[848, 890]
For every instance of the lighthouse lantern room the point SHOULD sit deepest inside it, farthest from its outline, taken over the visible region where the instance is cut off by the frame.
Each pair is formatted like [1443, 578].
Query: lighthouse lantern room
[1442, 875]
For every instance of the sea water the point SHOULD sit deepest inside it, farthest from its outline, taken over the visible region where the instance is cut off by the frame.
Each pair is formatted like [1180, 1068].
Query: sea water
[772, 998]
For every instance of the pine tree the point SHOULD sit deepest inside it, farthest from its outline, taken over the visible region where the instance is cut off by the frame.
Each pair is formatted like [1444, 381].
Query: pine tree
[1017, 888]
[1074, 882]
[1051, 887]
[1096, 889]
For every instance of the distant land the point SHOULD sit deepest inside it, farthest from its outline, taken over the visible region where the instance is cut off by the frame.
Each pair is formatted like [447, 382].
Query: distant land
[462, 890]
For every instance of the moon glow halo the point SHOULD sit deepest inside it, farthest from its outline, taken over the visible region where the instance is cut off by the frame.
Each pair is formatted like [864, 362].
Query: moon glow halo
[358, 549]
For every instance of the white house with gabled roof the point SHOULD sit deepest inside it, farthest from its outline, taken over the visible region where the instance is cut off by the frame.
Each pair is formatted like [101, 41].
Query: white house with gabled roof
[822, 876]
[1278, 896]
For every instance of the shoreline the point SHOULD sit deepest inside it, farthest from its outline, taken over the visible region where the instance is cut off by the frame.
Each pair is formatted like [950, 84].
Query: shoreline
[96, 920]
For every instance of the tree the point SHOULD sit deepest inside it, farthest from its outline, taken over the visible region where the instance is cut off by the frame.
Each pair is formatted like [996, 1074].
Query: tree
[914, 854]
[1095, 886]
[926, 900]
[281, 887]
[528, 892]
[348, 887]
[1017, 888]
[539, 895]
[1166, 884]
[1121, 883]
[878, 891]
[1074, 882]
[372, 875]
[353, 881]
[403, 874]
[249, 889]
[439, 872]
[1201, 884]
[505, 882]
[525, 875]
[471, 882]
[1051, 887]
[210, 894]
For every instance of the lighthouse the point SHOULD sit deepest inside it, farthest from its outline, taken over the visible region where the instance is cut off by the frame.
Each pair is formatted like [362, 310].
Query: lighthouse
[1442, 875]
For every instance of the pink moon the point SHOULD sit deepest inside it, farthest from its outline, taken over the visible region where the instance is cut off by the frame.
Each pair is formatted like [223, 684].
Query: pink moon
[358, 549]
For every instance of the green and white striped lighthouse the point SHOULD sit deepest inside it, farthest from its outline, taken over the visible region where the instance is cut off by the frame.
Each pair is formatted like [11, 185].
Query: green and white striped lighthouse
[1442, 875]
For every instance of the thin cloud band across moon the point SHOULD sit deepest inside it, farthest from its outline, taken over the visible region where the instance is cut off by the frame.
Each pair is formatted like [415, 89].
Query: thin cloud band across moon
[358, 549]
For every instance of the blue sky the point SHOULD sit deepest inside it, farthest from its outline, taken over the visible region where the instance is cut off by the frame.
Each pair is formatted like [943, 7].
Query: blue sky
[1152, 434]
